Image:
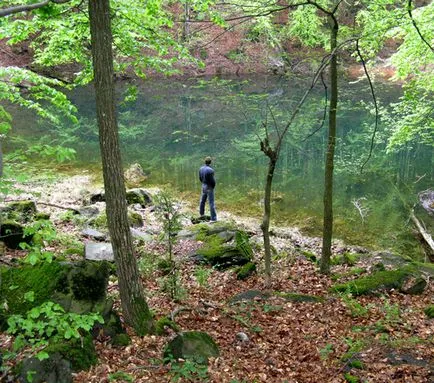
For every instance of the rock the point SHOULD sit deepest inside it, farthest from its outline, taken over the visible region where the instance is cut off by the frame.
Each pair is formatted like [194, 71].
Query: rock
[195, 345]
[134, 175]
[135, 219]
[414, 286]
[200, 219]
[22, 211]
[246, 271]
[89, 211]
[385, 280]
[12, 234]
[249, 295]
[139, 196]
[426, 199]
[95, 234]
[97, 251]
[242, 337]
[144, 237]
[55, 369]
[97, 197]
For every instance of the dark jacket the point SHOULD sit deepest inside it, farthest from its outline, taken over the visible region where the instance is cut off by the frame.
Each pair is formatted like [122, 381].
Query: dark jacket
[206, 176]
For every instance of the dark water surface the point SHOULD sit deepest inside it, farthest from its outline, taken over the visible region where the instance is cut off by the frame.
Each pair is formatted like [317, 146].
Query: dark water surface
[173, 125]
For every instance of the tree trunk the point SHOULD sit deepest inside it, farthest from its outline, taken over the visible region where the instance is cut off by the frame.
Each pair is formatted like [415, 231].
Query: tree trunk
[329, 163]
[266, 220]
[134, 306]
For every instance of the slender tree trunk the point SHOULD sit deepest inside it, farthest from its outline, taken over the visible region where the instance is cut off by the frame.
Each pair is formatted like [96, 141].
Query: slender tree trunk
[134, 306]
[266, 220]
[329, 163]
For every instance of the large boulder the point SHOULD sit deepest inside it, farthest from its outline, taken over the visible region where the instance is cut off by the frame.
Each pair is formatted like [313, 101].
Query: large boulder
[139, 196]
[55, 369]
[134, 175]
[222, 255]
[99, 251]
[193, 345]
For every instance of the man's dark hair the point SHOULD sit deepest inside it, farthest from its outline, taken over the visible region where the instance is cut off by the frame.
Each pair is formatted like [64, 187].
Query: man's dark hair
[207, 160]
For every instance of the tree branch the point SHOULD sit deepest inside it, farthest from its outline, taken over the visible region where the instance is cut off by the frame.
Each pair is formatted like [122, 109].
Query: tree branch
[409, 6]
[29, 7]
[359, 53]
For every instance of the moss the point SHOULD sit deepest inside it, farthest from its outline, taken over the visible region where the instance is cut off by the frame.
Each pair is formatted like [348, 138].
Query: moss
[349, 259]
[293, 297]
[89, 281]
[121, 340]
[100, 220]
[165, 322]
[392, 279]
[22, 210]
[310, 256]
[165, 266]
[352, 272]
[80, 352]
[429, 311]
[194, 345]
[351, 378]
[42, 279]
[135, 219]
[246, 271]
[42, 216]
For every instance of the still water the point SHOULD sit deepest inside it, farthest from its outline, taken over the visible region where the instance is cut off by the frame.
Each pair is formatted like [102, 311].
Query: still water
[172, 125]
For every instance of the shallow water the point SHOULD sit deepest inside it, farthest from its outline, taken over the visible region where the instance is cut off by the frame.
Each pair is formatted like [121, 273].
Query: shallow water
[173, 125]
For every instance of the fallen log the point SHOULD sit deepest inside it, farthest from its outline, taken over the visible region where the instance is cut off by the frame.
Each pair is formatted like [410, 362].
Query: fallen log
[425, 235]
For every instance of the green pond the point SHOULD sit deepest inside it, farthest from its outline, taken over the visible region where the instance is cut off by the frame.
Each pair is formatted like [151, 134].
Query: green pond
[172, 125]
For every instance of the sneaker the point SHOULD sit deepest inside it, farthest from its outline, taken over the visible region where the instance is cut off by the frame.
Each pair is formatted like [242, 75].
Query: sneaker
[213, 221]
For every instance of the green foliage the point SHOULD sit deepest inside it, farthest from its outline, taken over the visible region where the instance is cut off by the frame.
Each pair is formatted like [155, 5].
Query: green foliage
[48, 322]
[356, 309]
[43, 232]
[351, 378]
[429, 311]
[246, 270]
[121, 376]
[169, 213]
[326, 351]
[202, 275]
[189, 371]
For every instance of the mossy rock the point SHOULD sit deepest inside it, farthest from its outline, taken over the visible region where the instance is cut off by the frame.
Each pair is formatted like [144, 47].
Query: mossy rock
[193, 345]
[222, 256]
[42, 216]
[42, 279]
[294, 297]
[12, 234]
[162, 323]
[349, 259]
[55, 369]
[77, 287]
[381, 280]
[89, 280]
[429, 311]
[310, 256]
[246, 271]
[24, 211]
[138, 196]
[249, 295]
[121, 340]
[135, 219]
[79, 352]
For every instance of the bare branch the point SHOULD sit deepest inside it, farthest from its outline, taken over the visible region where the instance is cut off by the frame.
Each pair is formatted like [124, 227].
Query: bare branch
[374, 98]
[28, 7]
[325, 110]
[409, 6]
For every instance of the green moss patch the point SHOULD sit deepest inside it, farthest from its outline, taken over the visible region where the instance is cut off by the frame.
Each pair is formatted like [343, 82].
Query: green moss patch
[429, 311]
[246, 271]
[381, 280]
[293, 297]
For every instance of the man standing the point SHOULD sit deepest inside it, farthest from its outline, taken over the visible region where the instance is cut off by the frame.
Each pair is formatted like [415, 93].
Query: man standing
[206, 176]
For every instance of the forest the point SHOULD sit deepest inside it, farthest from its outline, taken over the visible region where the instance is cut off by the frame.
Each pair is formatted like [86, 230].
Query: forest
[202, 191]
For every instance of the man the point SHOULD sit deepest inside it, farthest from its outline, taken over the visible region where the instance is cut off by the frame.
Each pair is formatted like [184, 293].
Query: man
[206, 176]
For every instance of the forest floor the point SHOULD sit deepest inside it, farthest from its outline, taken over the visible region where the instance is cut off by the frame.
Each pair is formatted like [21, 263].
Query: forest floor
[376, 338]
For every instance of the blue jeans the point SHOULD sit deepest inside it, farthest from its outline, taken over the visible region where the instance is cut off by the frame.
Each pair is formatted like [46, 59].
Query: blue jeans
[207, 193]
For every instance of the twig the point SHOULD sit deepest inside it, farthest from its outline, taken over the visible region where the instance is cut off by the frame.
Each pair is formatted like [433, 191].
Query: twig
[409, 6]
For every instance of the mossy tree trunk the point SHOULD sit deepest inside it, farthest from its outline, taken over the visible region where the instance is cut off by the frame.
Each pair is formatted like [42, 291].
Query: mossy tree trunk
[329, 162]
[134, 306]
